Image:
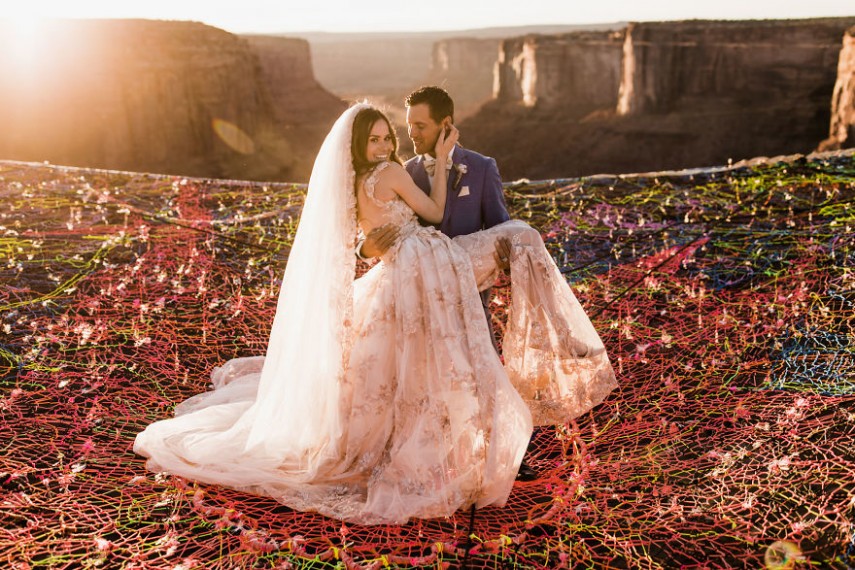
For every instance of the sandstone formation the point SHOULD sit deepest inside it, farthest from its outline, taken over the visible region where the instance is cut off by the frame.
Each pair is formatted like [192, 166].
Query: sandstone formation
[579, 71]
[169, 97]
[386, 66]
[669, 66]
[304, 110]
[464, 67]
[842, 132]
[691, 94]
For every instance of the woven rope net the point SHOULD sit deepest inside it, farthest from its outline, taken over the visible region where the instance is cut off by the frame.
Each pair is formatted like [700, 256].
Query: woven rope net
[726, 300]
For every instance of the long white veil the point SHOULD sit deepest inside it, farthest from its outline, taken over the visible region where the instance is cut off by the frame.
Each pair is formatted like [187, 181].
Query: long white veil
[280, 412]
[310, 336]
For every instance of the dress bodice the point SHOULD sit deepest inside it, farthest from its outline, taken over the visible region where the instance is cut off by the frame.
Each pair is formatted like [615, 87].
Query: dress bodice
[394, 211]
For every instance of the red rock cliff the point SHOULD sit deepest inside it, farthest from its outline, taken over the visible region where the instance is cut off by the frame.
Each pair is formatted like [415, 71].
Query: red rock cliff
[578, 71]
[842, 132]
[286, 66]
[304, 110]
[691, 94]
[464, 67]
[171, 97]
[668, 66]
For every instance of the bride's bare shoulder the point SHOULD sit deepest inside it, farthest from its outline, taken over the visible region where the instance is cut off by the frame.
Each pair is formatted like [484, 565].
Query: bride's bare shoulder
[378, 172]
[385, 178]
[393, 171]
[391, 166]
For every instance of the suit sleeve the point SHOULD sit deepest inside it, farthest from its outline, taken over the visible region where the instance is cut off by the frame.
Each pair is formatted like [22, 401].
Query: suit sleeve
[494, 211]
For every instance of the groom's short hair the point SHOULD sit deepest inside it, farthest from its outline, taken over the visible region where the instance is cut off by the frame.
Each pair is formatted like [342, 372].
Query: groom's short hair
[437, 99]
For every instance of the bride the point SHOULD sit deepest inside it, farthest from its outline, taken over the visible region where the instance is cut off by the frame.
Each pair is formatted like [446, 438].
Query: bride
[382, 398]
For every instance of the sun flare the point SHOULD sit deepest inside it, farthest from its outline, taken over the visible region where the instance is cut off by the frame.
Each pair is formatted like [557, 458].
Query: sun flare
[23, 37]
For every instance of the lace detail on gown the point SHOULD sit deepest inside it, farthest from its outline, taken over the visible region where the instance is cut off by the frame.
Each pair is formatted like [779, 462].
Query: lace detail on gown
[553, 355]
[395, 211]
[456, 430]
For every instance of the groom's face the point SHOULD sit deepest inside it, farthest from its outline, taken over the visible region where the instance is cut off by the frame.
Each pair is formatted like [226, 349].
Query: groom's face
[423, 130]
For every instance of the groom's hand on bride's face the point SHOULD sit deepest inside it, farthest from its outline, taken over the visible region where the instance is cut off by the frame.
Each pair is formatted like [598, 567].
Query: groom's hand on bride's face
[379, 240]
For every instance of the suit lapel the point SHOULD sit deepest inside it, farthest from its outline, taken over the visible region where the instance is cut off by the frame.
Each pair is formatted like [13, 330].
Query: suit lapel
[420, 176]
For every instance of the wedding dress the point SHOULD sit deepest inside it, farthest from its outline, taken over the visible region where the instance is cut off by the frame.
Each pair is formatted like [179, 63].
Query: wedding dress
[382, 398]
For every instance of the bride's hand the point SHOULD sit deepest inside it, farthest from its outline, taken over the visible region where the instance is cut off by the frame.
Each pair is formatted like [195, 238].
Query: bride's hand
[446, 140]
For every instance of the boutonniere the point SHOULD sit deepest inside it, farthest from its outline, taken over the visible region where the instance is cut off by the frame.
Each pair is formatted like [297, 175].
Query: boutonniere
[460, 170]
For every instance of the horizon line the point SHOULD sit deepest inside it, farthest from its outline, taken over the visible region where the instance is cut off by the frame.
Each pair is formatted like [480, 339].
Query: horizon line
[423, 32]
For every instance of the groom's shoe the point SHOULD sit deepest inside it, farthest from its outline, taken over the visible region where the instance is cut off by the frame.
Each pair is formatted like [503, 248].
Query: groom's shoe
[526, 472]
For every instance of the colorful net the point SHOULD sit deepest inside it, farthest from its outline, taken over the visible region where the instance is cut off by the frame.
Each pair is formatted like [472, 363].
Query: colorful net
[726, 300]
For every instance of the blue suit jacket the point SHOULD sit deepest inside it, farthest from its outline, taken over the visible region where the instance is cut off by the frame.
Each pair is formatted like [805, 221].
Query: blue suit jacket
[484, 205]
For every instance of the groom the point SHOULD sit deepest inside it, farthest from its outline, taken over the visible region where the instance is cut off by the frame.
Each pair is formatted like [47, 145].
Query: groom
[475, 198]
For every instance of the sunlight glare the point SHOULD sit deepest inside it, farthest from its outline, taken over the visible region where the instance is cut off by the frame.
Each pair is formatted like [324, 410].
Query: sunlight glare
[24, 37]
[233, 136]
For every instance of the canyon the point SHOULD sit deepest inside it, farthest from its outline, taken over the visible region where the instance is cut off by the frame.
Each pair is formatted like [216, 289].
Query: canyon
[303, 110]
[465, 68]
[388, 65]
[675, 95]
[188, 99]
[161, 96]
[577, 72]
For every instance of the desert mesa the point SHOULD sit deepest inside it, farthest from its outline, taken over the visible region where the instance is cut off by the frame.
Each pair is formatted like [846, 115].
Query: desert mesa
[189, 99]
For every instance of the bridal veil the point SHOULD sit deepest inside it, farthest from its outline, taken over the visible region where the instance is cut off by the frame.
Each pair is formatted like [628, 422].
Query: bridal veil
[279, 413]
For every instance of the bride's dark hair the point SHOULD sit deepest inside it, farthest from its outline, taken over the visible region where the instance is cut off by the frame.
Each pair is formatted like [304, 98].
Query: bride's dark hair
[362, 124]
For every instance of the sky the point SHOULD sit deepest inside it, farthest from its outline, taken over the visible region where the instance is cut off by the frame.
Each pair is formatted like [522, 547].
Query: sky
[274, 16]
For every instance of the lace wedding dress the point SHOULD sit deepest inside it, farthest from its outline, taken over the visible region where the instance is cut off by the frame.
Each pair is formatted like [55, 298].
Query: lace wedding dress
[382, 398]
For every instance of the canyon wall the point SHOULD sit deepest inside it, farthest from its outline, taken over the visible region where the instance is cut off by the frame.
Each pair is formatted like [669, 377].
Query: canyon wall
[690, 94]
[170, 97]
[464, 67]
[386, 66]
[579, 71]
[670, 66]
[304, 111]
[842, 131]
